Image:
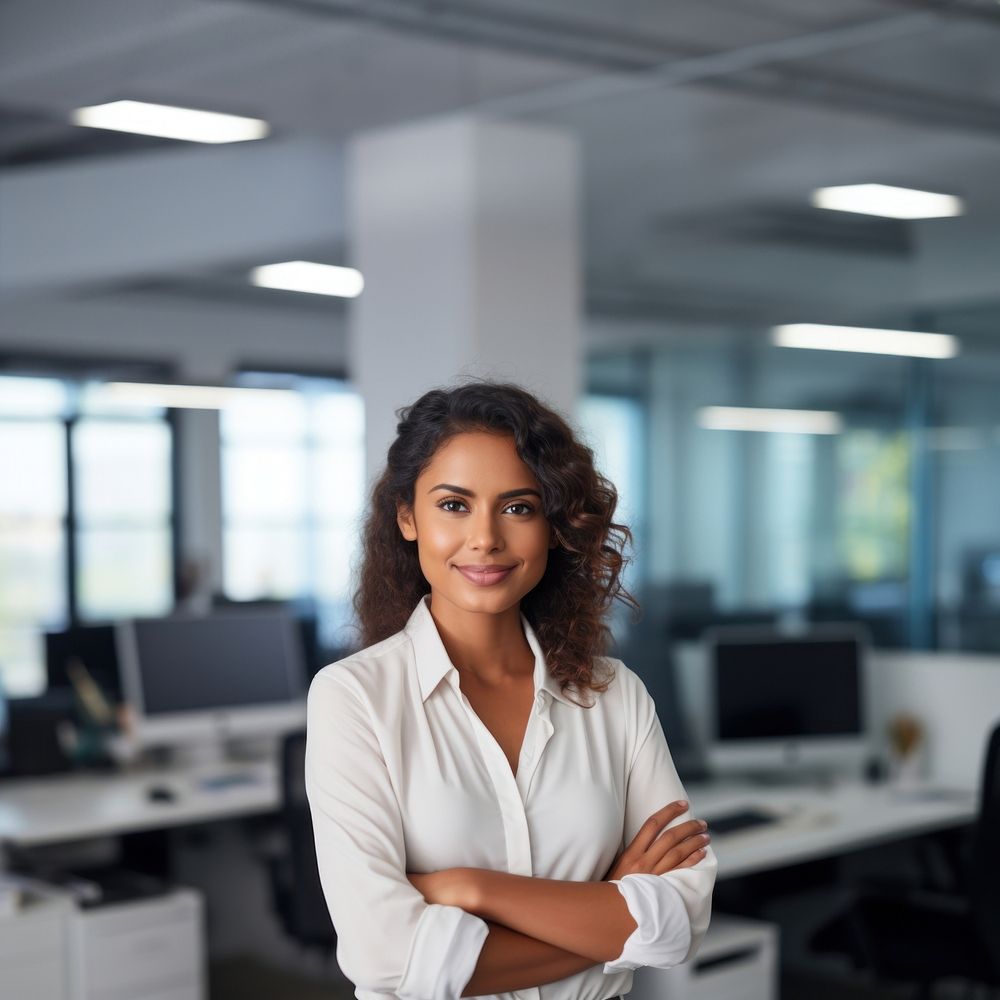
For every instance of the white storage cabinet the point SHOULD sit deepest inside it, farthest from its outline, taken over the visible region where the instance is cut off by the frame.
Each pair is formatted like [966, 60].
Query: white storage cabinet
[33, 946]
[145, 949]
[738, 960]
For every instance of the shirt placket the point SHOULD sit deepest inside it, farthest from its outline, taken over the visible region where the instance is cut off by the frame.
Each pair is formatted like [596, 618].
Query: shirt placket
[512, 811]
[512, 794]
[538, 734]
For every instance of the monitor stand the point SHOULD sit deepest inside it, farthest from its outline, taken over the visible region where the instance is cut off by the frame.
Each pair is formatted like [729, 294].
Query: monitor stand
[252, 749]
[199, 755]
[220, 763]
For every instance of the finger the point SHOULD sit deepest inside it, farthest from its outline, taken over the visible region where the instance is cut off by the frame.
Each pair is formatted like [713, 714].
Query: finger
[648, 831]
[673, 835]
[692, 859]
[674, 857]
[672, 848]
[669, 860]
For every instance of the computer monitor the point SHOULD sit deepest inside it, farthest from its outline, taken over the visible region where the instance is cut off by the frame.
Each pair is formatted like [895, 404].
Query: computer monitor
[211, 679]
[782, 703]
[303, 610]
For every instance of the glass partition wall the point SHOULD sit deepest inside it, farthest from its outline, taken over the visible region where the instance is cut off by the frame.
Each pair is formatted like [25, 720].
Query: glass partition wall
[802, 485]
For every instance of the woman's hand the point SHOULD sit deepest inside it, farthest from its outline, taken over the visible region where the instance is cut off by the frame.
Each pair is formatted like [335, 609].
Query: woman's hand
[450, 887]
[679, 847]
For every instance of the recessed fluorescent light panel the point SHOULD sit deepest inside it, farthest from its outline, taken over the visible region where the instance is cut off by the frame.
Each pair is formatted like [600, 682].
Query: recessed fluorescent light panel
[308, 276]
[170, 122]
[186, 397]
[888, 202]
[753, 418]
[905, 343]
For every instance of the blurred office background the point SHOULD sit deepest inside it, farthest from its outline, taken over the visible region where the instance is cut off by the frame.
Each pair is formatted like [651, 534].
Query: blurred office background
[619, 205]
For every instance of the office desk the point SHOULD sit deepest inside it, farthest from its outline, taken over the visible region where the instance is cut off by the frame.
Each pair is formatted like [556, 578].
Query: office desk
[825, 822]
[62, 808]
[821, 822]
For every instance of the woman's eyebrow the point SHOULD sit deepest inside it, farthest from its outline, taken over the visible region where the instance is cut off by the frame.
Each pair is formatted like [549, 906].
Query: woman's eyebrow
[500, 496]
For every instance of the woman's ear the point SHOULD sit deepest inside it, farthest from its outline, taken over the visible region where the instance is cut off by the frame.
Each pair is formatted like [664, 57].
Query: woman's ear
[407, 525]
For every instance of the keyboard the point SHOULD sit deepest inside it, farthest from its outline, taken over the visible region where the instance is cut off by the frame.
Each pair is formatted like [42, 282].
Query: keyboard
[229, 779]
[743, 819]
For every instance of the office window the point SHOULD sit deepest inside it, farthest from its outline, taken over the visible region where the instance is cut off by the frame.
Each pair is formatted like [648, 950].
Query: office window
[293, 488]
[33, 502]
[891, 521]
[56, 444]
[761, 525]
[873, 509]
[963, 452]
[786, 517]
[614, 428]
[123, 513]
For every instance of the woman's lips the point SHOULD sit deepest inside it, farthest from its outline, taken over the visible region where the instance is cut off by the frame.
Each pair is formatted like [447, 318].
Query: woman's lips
[485, 577]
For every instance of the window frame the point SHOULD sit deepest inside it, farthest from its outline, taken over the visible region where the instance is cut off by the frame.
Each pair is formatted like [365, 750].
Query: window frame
[266, 375]
[75, 373]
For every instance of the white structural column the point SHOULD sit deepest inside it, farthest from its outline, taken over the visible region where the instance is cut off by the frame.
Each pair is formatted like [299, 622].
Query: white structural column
[467, 233]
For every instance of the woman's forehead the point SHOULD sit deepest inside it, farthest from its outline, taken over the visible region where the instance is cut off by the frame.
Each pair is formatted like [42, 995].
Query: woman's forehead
[484, 455]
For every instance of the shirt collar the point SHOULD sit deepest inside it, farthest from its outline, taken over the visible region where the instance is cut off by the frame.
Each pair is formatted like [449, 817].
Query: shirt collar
[433, 662]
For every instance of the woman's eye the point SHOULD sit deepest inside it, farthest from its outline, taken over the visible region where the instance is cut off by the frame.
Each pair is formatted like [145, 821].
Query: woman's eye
[444, 505]
[527, 507]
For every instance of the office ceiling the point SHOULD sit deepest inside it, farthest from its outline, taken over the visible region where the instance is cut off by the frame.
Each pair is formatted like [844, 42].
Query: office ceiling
[704, 124]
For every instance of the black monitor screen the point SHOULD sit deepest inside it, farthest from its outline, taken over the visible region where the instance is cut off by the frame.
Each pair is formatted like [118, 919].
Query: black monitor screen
[782, 687]
[217, 662]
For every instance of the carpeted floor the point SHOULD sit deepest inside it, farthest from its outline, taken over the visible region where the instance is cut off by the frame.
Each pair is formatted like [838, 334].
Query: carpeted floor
[246, 978]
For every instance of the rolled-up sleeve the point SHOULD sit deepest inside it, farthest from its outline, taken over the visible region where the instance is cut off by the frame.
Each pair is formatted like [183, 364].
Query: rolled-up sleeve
[389, 939]
[671, 910]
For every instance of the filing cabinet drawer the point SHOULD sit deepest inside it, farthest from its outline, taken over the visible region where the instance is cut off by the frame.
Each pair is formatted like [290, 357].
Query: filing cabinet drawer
[33, 944]
[38, 980]
[150, 949]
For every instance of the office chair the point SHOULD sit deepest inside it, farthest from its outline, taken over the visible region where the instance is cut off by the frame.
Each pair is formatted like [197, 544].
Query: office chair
[296, 892]
[921, 937]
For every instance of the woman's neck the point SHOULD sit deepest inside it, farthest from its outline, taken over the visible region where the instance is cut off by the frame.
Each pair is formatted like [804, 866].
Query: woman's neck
[490, 647]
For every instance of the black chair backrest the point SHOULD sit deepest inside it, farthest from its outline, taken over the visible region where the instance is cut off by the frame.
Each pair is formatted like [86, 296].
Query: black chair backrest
[293, 771]
[985, 887]
[308, 912]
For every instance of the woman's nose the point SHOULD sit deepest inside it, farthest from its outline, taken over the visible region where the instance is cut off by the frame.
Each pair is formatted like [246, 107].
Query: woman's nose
[484, 532]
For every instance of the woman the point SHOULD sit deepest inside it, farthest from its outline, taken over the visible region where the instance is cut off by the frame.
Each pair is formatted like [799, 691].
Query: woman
[475, 771]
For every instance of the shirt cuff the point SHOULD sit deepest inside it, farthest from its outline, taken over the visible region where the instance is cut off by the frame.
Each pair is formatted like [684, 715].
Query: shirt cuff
[662, 935]
[443, 954]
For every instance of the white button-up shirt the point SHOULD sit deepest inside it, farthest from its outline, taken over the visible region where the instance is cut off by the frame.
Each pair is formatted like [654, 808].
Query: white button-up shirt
[403, 776]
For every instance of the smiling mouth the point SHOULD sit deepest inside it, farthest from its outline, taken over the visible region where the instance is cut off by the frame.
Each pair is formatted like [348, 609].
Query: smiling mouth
[485, 576]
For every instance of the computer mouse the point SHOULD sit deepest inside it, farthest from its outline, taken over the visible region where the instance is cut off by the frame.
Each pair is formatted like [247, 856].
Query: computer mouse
[160, 793]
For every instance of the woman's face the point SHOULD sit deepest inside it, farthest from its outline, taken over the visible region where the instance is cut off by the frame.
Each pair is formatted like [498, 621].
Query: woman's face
[478, 506]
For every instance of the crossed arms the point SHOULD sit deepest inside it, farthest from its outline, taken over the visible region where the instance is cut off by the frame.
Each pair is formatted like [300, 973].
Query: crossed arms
[543, 930]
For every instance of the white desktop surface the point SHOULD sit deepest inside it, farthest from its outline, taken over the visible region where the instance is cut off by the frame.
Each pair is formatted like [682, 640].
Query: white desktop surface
[824, 822]
[60, 808]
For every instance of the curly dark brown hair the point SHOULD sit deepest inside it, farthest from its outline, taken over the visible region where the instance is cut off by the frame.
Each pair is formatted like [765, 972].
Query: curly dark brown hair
[583, 575]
